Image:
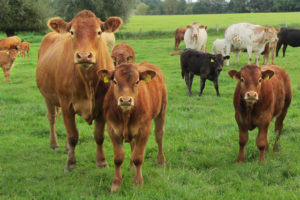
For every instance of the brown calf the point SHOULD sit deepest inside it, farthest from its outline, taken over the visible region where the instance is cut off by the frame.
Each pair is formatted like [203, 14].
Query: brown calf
[10, 43]
[24, 47]
[123, 53]
[179, 36]
[257, 100]
[66, 76]
[7, 59]
[137, 94]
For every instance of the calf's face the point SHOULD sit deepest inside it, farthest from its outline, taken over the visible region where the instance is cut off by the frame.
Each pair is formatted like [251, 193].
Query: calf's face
[217, 61]
[271, 34]
[250, 78]
[121, 58]
[126, 79]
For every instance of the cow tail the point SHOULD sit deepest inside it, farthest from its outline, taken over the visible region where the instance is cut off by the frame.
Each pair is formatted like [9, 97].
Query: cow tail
[176, 53]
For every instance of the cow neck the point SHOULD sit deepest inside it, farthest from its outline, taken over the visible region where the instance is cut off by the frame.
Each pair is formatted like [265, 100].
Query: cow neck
[125, 117]
[249, 111]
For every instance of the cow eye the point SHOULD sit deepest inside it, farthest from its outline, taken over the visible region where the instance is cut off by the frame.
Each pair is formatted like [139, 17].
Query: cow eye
[137, 82]
[260, 80]
[99, 33]
[242, 80]
[115, 82]
[72, 33]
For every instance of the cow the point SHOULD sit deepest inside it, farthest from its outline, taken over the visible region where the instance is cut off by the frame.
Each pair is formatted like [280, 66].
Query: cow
[123, 53]
[207, 66]
[179, 36]
[257, 100]
[66, 75]
[249, 36]
[23, 48]
[219, 48]
[270, 47]
[10, 43]
[288, 36]
[7, 59]
[136, 96]
[195, 37]
[109, 39]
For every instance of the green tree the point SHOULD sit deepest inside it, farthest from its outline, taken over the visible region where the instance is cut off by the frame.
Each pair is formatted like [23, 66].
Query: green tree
[141, 9]
[23, 15]
[170, 6]
[181, 6]
[239, 6]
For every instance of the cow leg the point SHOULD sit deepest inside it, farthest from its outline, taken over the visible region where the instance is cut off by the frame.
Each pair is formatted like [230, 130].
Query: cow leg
[257, 59]
[202, 86]
[216, 87]
[273, 52]
[51, 116]
[159, 134]
[236, 57]
[191, 78]
[249, 51]
[119, 156]
[132, 145]
[176, 44]
[262, 141]
[99, 138]
[138, 153]
[6, 74]
[188, 81]
[243, 139]
[279, 43]
[283, 49]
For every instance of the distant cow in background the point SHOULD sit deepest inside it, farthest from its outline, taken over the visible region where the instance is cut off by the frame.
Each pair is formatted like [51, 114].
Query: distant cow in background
[7, 59]
[23, 48]
[179, 36]
[270, 47]
[123, 53]
[249, 36]
[10, 43]
[288, 36]
[219, 48]
[195, 37]
[205, 65]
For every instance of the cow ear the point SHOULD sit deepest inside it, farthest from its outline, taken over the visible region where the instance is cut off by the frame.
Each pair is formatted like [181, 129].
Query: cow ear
[105, 75]
[147, 75]
[234, 74]
[226, 57]
[130, 59]
[58, 25]
[277, 29]
[188, 26]
[266, 75]
[205, 27]
[111, 25]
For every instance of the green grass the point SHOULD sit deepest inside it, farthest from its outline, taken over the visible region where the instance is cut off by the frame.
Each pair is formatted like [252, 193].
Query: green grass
[200, 143]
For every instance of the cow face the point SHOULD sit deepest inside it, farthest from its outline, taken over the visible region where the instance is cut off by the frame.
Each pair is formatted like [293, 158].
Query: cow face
[270, 34]
[194, 28]
[250, 78]
[85, 32]
[126, 80]
[217, 62]
[121, 58]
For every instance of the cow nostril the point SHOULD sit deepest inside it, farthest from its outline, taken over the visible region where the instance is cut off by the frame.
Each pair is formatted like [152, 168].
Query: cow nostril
[129, 100]
[78, 56]
[90, 55]
[121, 100]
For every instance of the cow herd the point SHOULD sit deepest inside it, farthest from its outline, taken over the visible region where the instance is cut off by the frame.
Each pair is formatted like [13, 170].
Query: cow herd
[81, 71]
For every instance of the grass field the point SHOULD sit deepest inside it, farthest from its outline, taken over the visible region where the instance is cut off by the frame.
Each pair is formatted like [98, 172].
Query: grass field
[200, 143]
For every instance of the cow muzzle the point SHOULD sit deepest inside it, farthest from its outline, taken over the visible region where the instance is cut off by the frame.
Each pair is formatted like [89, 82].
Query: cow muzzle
[125, 102]
[251, 97]
[84, 58]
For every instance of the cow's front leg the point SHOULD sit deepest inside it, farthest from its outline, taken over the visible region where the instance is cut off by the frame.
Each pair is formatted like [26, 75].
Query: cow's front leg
[257, 58]
[72, 134]
[6, 74]
[243, 139]
[262, 141]
[202, 85]
[217, 87]
[99, 139]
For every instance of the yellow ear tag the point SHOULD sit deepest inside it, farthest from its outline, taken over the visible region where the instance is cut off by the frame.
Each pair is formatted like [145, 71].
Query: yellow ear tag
[7, 52]
[106, 79]
[212, 60]
[235, 78]
[267, 78]
[148, 78]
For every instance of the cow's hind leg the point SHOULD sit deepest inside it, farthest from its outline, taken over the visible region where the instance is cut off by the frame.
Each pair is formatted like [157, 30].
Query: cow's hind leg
[51, 116]
[262, 141]
[159, 134]
[202, 86]
[99, 139]
[284, 49]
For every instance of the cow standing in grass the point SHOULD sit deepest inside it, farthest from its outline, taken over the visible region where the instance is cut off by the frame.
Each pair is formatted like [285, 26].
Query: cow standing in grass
[257, 100]
[66, 75]
[195, 37]
[287, 36]
[7, 59]
[179, 36]
[137, 95]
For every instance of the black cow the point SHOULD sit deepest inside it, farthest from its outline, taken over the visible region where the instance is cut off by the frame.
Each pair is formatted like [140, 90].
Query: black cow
[288, 36]
[207, 66]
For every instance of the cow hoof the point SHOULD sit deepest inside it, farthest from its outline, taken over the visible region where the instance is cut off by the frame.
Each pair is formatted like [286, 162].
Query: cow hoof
[161, 161]
[276, 149]
[69, 168]
[54, 146]
[116, 185]
[102, 165]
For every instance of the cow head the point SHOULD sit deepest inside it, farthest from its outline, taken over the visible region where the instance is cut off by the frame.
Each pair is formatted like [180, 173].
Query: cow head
[194, 30]
[121, 58]
[217, 62]
[85, 32]
[250, 78]
[270, 34]
[125, 82]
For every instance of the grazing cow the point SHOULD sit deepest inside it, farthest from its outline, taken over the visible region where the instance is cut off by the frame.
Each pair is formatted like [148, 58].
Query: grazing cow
[123, 53]
[195, 37]
[7, 59]
[179, 36]
[205, 65]
[257, 100]
[10, 43]
[24, 47]
[219, 48]
[66, 75]
[288, 36]
[249, 36]
[137, 95]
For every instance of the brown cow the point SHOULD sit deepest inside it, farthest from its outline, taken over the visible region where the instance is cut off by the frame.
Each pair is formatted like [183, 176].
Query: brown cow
[179, 36]
[137, 94]
[10, 43]
[24, 47]
[66, 75]
[123, 53]
[257, 100]
[7, 59]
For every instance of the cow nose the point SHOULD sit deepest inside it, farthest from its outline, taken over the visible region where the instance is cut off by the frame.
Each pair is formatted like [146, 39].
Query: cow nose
[251, 95]
[84, 57]
[125, 101]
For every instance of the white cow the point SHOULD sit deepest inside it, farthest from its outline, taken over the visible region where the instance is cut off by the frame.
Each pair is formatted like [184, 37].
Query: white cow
[195, 37]
[249, 36]
[220, 48]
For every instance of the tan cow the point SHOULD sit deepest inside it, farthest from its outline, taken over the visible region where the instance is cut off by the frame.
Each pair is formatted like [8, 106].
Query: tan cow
[10, 43]
[7, 59]
[23, 48]
[179, 36]
[137, 95]
[66, 76]
[123, 53]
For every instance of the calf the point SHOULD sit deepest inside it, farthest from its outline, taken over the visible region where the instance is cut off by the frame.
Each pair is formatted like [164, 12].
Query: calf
[257, 100]
[205, 65]
[179, 36]
[24, 47]
[288, 36]
[195, 37]
[7, 59]
[123, 53]
[10, 43]
[270, 47]
[137, 94]
[219, 48]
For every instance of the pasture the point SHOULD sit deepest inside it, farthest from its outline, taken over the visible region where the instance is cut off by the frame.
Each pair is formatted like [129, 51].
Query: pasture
[200, 142]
